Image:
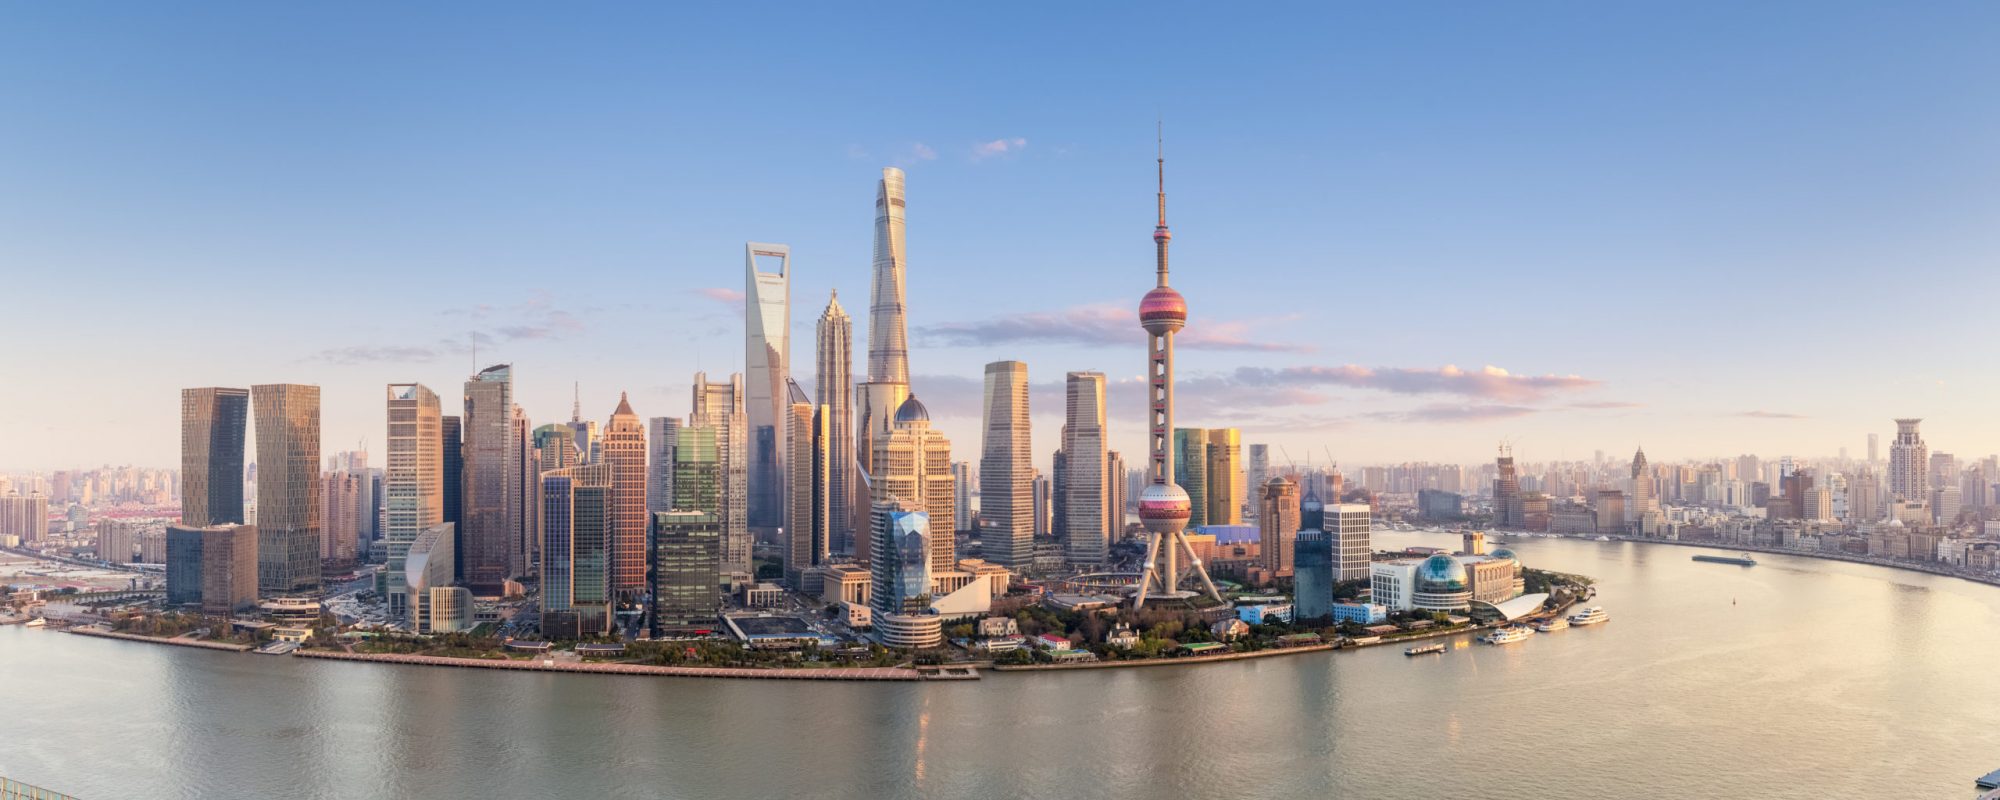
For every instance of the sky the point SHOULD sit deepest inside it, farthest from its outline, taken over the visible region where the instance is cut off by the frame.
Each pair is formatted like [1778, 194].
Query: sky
[1406, 232]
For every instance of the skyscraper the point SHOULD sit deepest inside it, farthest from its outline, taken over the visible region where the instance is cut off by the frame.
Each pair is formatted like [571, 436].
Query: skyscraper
[1259, 471]
[212, 442]
[1006, 469]
[767, 316]
[1643, 498]
[1873, 452]
[1347, 528]
[491, 463]
[901, 577]
[913, 473]
[579, 517]
[1191, 471]
[720, 406]
[451, 479]
[687, 555]
[807, 486]
[1226, 493]
[888, 381]
[523, 513]
[660, 437]
[625, 451]
[228, 569]
[1114, 508]
[288, 487]
[697, 470]
[1278, 515]
[339, 519]
[1085, 486]
[834, 381]
[1312, 582]
[1506, 491]
[1164, 507]
[1909, 463]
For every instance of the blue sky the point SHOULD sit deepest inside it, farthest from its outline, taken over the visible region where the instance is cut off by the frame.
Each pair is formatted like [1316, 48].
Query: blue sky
[1721, 228]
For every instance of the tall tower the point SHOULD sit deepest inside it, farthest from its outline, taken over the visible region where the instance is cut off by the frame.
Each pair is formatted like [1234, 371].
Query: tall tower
[888, 341]
[1006, 469]
[767, 319]
[720, 406]
[625, 451]
[1909, 463]
[1643, 499]
[1164, 507]
[834, 381]
[1506, 490]
[414, 482]
[913, 473]
[212, 423]
[1085, 486]
[490, 520]
[288, 488]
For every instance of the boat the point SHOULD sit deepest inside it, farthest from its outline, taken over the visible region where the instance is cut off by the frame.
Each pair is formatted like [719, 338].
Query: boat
[1743, 560]
[1552, 625]
[36, 622]
[1507, 635]
[1424, 649]
[1589, 616]
[1604, 538]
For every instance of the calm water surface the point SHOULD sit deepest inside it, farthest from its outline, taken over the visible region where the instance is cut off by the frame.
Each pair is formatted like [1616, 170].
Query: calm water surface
[1821, 679]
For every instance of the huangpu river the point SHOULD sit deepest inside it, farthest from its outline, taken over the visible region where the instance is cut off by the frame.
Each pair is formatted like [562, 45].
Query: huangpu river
[1795, 678]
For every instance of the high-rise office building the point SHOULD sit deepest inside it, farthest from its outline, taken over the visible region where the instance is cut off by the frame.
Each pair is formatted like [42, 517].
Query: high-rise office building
[913, 473]
[491, 465]
[1225, 491]
[1347, 527]
[339, 519]
[901, 577]
[1164, 507]
[288, 487]
[1312, 581]
[184, 564]
[451, 480]
[1259, 470]
[661, 433]
[1874, 452]
[428, 583]
[698, 470]
[720, 406]
[1085, 486]
[1278, 523]
[555, 447]
[228, 569]
[961, 481]
[1644, 500]
[1864, 497]
[687, 556]
[625, 450]
[834, 381]
[888, 384]
[212, 442]
[1191, 471]
[1114, 508]
[579, 517]
[808, 486]
[523, 486]
[1006, 469]
[767, 315]
[1506, 491]
[1909, 462]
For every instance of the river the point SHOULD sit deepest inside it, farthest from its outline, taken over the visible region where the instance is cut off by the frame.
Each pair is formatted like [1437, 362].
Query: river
[1797, 678]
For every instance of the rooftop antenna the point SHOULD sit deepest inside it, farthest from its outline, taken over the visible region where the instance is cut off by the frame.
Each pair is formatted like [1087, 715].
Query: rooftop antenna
[576, 403]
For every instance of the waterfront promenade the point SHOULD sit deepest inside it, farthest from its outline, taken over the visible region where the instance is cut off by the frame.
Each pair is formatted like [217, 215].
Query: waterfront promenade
[177, 641]
[549, 665]
[1928, 567]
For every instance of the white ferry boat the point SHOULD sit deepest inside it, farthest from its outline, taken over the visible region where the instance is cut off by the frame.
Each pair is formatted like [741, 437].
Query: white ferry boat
[36, 622]
[1552, 625]
[1507, 635]
[1424, 649]
[1589, 616]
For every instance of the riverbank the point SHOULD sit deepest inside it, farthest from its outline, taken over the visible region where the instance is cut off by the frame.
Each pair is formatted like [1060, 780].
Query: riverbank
[1167, 662]
[131, 637]
[1928, 568]
[546, 665]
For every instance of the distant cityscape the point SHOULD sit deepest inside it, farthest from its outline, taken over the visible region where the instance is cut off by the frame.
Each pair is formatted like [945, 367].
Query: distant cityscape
[847, 527]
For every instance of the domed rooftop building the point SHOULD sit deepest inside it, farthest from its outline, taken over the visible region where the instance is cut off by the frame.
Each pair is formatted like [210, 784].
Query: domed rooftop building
[912, 411]
[1441, 584]
[1506, 553]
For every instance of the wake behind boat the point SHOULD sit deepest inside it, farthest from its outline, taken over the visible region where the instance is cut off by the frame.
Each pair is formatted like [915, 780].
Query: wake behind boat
[1743, 560]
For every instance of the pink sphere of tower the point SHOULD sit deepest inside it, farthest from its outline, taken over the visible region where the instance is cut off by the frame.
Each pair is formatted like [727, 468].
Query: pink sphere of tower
[1164, 508]
[1162, 311]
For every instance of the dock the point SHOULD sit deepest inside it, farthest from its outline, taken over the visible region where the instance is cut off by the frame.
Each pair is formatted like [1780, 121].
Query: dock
[1990, 780]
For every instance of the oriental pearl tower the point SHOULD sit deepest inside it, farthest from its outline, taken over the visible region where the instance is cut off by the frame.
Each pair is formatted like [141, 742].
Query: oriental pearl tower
[1164, 506]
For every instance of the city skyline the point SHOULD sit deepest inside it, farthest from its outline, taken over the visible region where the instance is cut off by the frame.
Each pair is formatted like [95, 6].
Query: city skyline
[1484, 237]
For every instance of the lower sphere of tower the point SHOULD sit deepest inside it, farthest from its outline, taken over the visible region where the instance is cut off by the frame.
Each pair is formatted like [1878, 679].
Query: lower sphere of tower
[1164, 508]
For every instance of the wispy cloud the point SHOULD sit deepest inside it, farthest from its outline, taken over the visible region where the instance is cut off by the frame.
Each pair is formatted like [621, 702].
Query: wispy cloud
[1106, 325]
[365, 354]
[729, 297]
[1768, 415]
[537, 318]
[998, 147]
[1451, 413]
[1488, 383]
[1606, 405]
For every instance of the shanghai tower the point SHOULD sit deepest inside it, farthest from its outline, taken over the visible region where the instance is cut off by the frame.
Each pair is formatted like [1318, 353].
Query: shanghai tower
[888, 338]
